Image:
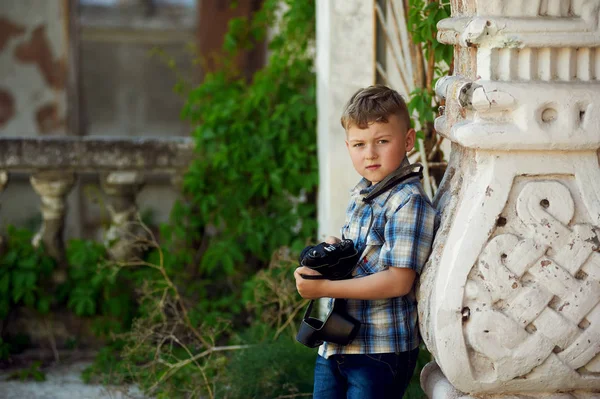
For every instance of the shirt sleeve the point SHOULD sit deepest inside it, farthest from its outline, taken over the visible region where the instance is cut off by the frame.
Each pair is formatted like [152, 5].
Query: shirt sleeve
[409, 234]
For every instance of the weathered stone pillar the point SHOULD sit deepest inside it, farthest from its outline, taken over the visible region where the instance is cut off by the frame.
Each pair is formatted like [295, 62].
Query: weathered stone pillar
[123, 237]
[53, 188]
[343, 26]
[510, 301]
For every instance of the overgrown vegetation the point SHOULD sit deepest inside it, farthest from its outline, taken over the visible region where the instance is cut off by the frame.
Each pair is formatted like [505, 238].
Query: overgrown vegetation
[92, 289]
[24, 271]
[432, 61]
[211, 310]
[432, 58]
[249, 193]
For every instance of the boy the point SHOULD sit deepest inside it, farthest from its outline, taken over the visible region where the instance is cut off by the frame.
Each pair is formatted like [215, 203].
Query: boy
[395, 232]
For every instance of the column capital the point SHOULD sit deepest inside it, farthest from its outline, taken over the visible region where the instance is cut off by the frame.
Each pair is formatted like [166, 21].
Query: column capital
[531, 76]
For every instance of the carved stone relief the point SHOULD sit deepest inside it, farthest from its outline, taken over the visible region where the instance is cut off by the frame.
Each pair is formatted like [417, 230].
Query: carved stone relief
[532, 300]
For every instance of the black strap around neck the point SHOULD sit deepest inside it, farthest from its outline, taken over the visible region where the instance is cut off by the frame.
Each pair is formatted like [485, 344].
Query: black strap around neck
[394, 179]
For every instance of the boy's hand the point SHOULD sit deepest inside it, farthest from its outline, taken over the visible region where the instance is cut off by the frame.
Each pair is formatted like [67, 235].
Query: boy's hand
[332, 240]
[309, 289]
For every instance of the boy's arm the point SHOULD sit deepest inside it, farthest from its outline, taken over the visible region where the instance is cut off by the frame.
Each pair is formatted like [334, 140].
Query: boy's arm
[389, 283]
[408, 239]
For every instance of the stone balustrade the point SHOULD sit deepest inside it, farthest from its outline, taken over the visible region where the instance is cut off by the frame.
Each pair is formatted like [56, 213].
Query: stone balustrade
[122, 165]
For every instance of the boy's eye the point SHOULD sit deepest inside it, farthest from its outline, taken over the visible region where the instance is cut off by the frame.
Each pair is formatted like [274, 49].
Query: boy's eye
[382, 141]
[357, 144]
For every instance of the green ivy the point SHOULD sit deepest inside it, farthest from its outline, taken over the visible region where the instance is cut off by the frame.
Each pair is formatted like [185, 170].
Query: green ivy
[24, 274]
[256, 171]
[423, 16]
[252, 186]
[92, 288]
[95, 288]
[31, 373]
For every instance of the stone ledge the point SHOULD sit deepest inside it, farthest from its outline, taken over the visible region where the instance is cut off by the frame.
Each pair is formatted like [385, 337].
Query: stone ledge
[93, 154]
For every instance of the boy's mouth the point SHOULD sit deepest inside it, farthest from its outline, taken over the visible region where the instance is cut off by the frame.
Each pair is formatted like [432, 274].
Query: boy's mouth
[373, 167]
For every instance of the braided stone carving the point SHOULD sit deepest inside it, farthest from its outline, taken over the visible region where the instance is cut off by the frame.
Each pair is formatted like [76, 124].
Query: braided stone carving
[532, 302]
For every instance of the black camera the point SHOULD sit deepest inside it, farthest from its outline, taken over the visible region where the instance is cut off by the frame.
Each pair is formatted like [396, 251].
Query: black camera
[334, 262]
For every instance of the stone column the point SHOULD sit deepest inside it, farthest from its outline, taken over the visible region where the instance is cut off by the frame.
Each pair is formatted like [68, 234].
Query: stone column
[53, 188]
[345, 28]
[123, 237]
[510, 300]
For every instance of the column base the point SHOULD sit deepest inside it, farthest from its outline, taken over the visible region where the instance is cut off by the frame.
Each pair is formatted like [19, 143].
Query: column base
[436, 386]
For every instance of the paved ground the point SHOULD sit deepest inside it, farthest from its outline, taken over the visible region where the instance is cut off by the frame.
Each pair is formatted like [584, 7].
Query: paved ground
[63, 382]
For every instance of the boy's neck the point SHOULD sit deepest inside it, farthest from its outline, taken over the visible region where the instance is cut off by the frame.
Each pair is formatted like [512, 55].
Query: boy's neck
[405, 171]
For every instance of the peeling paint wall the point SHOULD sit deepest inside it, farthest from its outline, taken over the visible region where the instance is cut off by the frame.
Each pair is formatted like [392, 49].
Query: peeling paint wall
[33, 67]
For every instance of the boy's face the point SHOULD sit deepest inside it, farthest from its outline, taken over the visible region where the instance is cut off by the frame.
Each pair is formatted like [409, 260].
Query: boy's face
[379, 149]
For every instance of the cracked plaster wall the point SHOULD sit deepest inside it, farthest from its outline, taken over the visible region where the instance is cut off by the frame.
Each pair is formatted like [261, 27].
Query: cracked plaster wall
[33, 52]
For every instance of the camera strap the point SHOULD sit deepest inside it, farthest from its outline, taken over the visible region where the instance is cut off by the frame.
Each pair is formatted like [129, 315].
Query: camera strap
[393, 179]
[400, 175]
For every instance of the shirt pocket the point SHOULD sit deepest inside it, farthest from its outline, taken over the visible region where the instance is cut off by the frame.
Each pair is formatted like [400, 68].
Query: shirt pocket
[369, 261]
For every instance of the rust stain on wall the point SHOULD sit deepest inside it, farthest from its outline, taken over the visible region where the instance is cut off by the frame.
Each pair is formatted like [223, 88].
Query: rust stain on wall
[7, 107]
[48, 118]
[37, 51]
[8, 30]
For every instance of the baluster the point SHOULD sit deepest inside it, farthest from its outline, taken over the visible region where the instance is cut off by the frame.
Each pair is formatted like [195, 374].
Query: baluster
[124, 236]
[3, 181]
[53, 188]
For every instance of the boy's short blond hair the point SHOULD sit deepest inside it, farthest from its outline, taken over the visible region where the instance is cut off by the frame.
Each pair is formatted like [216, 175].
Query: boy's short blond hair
[374, 104]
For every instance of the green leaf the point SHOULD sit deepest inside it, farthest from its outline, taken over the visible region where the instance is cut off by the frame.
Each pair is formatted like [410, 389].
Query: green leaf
[43, 305]
[4, 284]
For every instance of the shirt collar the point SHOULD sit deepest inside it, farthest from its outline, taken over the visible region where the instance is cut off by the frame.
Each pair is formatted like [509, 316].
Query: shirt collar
[364, 186]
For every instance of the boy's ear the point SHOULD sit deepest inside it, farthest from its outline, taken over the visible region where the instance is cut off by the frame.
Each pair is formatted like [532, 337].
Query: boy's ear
[347, 145]
[411, 137]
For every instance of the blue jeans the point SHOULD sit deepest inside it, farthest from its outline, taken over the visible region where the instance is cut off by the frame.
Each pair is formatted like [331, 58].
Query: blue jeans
[375, 376]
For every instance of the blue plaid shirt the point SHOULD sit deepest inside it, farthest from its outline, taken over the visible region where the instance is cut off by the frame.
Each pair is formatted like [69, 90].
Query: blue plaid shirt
[401, 235]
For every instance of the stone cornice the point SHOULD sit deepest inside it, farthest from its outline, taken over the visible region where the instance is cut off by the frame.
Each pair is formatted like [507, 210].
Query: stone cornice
[500, 32]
